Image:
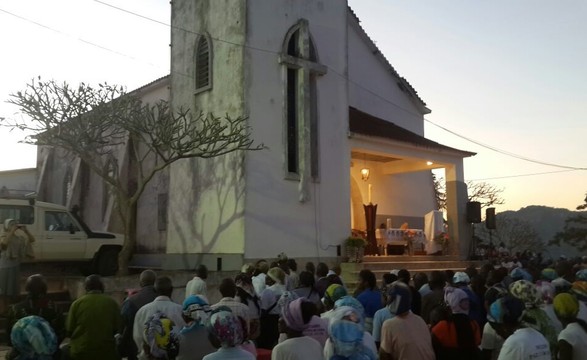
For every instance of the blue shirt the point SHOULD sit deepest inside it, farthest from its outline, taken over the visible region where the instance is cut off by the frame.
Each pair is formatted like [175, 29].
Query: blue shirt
[380, 316]
[371, 301]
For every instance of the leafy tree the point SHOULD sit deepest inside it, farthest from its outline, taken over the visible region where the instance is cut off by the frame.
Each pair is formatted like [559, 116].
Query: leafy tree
[93, 123]
[488, 195]
[575, 231]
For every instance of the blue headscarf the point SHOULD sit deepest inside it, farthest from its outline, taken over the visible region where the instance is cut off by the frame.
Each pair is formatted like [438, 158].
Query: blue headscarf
[351, 302]
[346, 333]
[33, 338]
[196, 308]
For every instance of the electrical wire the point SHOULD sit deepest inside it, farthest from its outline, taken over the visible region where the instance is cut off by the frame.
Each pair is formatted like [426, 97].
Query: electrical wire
[344, 77]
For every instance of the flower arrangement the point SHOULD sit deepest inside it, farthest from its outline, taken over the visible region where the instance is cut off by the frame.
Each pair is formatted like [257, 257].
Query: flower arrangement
[442, 239]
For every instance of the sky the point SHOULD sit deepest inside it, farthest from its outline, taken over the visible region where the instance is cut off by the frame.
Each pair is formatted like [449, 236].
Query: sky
[504, 79]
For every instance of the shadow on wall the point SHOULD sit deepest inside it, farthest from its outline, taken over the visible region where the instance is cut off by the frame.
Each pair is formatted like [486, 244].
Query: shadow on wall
[219, 178]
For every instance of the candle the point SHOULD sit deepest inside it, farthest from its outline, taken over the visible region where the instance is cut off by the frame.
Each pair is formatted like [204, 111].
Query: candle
[369, 193]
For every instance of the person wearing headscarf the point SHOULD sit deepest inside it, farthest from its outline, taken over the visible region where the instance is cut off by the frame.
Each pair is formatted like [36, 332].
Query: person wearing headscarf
[547, 291]
[270, 309]
[226, 332]
[293, 322]
[459, 336]
[359, 312]
[346, 335]
[15, 245]
[491, 341]
[381, 315]
[581, 275]
[461, 280]
[579, 289]
[33, 338]
[331, 295]
[37, 303]
[406, 336]
[548, 274]
[193, 337]
[160, 340]
[533, 315]
[521, 341]
[572, 340]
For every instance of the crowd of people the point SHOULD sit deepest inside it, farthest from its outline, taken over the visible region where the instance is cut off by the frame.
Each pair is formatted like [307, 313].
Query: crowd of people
[528, 310]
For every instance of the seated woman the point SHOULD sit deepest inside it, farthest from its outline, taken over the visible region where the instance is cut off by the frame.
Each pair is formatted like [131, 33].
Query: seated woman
[33, 338]
[459, 336]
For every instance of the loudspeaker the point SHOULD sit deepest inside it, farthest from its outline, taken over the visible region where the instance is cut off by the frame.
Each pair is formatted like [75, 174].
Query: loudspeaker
[490, 218]
[474, 212]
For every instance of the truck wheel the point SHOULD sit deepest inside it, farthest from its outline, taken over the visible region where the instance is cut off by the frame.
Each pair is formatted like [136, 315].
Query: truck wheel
[107, 263]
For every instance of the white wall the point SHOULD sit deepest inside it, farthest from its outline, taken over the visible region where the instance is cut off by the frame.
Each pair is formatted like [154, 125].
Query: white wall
[21, 179]
[275, 220]
[368, 76]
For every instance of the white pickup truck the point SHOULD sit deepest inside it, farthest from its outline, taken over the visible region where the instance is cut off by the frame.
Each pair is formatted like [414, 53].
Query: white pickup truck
[60, 236]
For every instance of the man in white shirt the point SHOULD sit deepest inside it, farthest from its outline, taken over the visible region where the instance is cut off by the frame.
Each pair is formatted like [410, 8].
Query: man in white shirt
[197, 285]
[163, 304]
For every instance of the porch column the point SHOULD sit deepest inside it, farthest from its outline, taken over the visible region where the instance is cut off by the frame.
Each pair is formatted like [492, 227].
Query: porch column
[456, 206]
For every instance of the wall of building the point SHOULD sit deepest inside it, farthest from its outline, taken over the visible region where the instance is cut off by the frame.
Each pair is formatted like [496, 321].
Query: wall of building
[206, 196]
[276, 220]
[20, 179]
[370, 75]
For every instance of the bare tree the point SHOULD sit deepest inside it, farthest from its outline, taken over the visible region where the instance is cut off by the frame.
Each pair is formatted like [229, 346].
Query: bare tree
[488, 195]
[93, 123]
[575, 231]
[517, 235]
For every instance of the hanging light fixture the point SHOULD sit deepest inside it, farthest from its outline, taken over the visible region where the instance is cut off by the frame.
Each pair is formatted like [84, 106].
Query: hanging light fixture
[365, 170]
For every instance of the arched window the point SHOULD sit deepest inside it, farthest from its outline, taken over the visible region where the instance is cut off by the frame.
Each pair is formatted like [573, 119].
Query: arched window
[112, 171]
[67, 190]
[203, 63]
[300, 58]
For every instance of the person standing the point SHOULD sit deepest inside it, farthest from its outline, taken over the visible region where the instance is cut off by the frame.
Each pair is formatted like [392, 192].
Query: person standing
[297, 346]
[406, 336]
[130, 306]
[572, 340]
[228, 291]
[225, 330]
[197, 285]
[162, 304]
[16, 245]
[370, 297]
[92, 322]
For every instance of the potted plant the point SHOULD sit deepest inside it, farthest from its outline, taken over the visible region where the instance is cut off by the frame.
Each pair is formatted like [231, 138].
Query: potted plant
[354, 248]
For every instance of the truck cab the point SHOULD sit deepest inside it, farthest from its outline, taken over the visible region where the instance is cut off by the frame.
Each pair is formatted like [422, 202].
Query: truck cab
[61, 236]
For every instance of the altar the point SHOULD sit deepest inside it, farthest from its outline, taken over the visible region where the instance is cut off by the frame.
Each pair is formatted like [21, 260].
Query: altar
[397, 241]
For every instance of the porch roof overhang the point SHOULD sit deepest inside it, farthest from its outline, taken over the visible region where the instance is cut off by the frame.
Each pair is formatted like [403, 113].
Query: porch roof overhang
[361, 123]
[397, 149]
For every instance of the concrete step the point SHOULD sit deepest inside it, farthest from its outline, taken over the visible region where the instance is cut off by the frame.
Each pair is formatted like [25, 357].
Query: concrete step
[419, 265]
[413, 258]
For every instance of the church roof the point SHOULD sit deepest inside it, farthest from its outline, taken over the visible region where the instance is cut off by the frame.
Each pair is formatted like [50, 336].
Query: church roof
[403, 84]
[369, 125]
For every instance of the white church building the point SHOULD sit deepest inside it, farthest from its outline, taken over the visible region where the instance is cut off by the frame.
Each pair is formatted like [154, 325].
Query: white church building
[324, 101]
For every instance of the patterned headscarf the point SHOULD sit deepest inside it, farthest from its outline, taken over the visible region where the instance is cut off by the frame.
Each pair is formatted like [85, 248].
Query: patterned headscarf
[159, 335]
[333, 293]
[346, 333]
[547, 290]
[561, 285]
[197, 309]
[527, 292]
[454, 298]
[579, 288]
[292, 315]
[581, 275]
[226, 328]
[399, 298]
[34, 338]
[534, 316]
[566, 306]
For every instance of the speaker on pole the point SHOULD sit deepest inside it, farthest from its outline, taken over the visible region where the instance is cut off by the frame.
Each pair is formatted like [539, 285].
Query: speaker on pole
[490, 218]
[474, 212]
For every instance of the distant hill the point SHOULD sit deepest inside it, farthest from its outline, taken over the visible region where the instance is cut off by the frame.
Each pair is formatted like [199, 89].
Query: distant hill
[547, 221]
